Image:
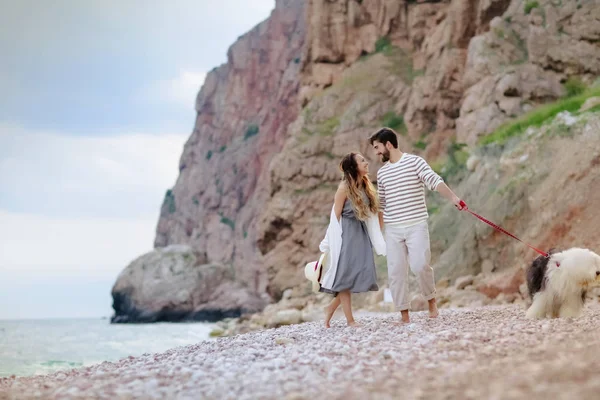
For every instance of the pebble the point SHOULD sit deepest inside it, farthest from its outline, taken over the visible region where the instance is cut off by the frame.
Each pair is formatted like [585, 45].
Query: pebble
[464, 353]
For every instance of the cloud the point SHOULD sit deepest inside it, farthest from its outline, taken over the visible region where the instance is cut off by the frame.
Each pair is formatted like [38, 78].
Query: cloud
[49, 297]
[178, 32]
[34, 247]
[82, 64]
[181, 90]
[117, 176]
[56, 268]
[74, 211]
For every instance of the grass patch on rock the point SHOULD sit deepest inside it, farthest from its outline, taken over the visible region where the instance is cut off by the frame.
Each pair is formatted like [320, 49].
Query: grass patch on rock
[574, 86]
[394, 121]
[252, 130]
[454, 164]
[224, 220]
[328, 127]
[169, 202]
[530, 5]
[539, 116]
[402, 64]
[421, 145]
[383, 44]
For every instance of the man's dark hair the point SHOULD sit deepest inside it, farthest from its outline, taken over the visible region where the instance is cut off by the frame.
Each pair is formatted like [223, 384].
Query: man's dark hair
[383, 136]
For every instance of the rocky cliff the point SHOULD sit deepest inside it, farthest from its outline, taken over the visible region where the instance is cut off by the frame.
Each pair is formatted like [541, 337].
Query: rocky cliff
[243, 110]
[441, 73]
[309, 84]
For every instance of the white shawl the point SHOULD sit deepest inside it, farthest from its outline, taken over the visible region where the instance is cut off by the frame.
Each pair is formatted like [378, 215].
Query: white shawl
[332, 245]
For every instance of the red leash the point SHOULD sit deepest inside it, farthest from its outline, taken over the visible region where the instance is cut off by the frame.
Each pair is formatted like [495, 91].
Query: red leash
[464, 207]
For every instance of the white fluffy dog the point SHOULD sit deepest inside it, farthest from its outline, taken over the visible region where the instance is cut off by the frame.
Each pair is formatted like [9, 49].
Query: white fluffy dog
[558, 283]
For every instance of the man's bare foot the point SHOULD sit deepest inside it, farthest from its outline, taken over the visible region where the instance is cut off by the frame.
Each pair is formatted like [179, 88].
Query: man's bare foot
[405, 318]
[433, 311]
[328, 314]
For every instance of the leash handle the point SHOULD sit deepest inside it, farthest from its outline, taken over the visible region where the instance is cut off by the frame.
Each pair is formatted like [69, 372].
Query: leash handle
[464, 207]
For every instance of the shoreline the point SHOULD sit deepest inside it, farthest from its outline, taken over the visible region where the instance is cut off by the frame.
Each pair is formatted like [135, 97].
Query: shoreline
[37, 348]
[465, 353]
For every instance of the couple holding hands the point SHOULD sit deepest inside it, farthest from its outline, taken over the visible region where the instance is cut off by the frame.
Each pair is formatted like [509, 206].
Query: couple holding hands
[391, 220]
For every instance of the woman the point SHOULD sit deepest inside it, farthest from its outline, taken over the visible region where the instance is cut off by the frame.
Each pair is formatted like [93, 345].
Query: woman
[354, 223]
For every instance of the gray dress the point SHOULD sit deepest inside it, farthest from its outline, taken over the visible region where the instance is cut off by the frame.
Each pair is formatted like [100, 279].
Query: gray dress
[356, 265]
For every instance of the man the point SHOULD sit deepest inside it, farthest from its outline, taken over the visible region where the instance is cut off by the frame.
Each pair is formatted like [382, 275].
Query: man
[403, 217]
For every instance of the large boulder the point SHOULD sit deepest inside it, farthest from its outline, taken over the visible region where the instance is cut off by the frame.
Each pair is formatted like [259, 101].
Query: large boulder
[169, 284]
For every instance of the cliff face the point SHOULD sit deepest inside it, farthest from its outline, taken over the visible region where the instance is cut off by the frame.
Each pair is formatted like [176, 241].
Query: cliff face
[524, 58]
[440, 73]
[243, 109]
[411, 79]
[541, 186]
[311, 83]
[434, 36]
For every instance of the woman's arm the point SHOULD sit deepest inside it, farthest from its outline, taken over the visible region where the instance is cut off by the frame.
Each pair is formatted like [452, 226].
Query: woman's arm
[338, 201]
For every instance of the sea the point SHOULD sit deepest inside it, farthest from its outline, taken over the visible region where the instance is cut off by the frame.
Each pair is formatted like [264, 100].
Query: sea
[39, 347]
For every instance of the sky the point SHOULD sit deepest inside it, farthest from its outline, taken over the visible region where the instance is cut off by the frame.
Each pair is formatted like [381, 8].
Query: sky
[96, 102]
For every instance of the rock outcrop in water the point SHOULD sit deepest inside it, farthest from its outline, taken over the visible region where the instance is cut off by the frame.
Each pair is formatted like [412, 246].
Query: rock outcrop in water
[310, 83]
[171, 284]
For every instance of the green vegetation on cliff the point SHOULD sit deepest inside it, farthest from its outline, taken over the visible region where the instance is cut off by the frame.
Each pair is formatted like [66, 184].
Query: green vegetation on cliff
[538, 116]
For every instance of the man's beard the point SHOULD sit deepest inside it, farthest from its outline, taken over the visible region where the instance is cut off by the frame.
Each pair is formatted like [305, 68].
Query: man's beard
[385, 157]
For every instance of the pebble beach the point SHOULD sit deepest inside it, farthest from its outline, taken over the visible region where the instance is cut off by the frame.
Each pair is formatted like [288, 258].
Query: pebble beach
[490, 352]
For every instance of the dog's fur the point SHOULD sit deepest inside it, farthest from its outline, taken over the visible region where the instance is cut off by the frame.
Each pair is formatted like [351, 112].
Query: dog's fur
[558, 283]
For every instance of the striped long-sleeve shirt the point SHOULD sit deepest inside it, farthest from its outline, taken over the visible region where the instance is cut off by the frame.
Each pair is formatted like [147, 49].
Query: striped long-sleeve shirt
[401, 188]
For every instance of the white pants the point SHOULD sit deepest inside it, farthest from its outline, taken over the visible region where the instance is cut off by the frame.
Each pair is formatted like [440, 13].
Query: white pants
[408, 247]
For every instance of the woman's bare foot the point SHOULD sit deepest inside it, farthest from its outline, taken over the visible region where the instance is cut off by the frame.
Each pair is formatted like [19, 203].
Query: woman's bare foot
[433, 311]
[330, 310]
[328, 315]
[354, 324]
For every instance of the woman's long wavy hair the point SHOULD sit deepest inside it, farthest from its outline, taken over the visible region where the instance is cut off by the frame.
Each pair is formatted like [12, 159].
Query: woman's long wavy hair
[356, 185]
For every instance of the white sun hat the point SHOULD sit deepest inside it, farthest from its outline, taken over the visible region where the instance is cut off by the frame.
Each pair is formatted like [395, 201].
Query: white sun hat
[313, 272]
